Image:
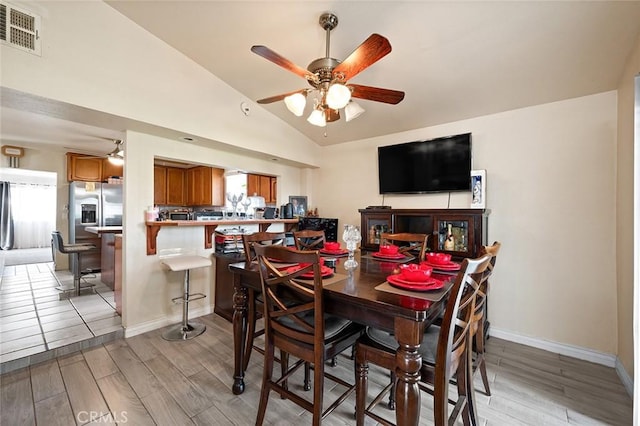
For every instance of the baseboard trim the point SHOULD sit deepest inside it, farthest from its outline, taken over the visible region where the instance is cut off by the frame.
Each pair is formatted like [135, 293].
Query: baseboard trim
[627, 381]
[578, 352]
[144, 327]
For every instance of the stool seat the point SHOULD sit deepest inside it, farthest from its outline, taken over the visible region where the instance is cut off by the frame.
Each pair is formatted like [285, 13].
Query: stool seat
[182, 263]
[187, 329]
[75, 250]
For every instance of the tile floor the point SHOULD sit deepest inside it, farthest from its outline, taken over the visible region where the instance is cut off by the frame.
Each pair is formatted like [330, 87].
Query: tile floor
[36, 325]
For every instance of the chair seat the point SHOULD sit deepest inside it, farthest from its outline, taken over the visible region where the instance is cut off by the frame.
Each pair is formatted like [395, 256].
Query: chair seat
[428, 347]
[182, 263]
[332, 325]
[79, 248]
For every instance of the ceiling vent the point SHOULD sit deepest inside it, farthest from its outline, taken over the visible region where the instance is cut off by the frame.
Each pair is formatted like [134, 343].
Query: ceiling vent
[19, 28]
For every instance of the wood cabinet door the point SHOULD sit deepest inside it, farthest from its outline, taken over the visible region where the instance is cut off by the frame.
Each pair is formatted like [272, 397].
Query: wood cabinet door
[159, 185]
[265, 188]
[109, 169]
[274, 190]
[253, 184]
[199, 186]
[83, 168]
[217, 187]
[175, 186]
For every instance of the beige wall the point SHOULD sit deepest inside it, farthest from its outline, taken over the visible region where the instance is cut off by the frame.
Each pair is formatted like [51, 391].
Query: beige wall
[551, 189]
[624, 211]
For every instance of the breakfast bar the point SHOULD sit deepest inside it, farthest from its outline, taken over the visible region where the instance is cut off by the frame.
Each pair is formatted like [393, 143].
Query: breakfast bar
[153, 227]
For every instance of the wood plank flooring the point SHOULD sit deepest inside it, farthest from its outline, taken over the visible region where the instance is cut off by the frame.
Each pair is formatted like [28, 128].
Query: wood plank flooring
[145, 380]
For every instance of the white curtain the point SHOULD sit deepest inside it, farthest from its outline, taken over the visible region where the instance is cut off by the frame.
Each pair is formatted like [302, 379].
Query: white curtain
[34, 217]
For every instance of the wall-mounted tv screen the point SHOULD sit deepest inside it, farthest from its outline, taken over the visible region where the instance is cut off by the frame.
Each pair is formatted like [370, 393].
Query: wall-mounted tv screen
[436, 165]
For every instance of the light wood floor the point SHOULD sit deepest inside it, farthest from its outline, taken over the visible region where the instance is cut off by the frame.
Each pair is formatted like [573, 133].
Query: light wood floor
[146, 380]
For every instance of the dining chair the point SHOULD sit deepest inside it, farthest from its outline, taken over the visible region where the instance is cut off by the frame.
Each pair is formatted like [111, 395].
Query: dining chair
[300, 329]
[480, 315]
[309, 239]
[254, 302]
[445, 353]
[407, 242]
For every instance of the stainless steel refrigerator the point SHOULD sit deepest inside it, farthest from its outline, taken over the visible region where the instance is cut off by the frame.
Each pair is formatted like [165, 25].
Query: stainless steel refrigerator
[92, 204]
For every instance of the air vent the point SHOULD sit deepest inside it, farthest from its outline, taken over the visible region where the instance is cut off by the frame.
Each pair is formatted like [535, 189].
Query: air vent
[19, 28]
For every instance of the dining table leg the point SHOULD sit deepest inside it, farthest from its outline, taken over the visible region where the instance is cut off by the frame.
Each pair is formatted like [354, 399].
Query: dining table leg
[408, 362]
[240, 298]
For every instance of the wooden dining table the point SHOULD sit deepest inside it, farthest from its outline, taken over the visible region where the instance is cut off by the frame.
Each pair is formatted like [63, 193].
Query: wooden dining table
[353, 295]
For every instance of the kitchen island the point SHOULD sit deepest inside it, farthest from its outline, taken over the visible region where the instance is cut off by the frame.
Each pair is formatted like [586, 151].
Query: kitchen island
[153, 227]
[107, 236]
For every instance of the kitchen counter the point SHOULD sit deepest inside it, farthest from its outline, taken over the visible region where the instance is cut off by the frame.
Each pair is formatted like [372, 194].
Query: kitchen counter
[209, 228]
[104, 229]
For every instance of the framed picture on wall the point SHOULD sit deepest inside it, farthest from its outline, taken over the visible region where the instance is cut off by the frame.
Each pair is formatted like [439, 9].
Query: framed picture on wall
[478, 189]
[299, 203]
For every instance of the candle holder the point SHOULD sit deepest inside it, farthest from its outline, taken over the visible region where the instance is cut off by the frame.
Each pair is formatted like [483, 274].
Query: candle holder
[351, 236]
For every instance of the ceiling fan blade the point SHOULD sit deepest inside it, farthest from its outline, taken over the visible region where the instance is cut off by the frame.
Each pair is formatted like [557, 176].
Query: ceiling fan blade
[370, 51]
[280, 97]
[272, 56]
[376, 94]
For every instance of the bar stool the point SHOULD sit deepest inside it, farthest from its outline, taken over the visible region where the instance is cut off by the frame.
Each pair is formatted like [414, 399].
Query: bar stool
[187, 329]
[75, 250]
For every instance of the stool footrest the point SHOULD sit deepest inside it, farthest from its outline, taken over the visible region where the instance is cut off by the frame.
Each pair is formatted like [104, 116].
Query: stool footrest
[192, 297]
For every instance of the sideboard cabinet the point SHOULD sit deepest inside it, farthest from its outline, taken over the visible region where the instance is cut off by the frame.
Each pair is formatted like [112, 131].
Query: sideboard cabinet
[465, 229]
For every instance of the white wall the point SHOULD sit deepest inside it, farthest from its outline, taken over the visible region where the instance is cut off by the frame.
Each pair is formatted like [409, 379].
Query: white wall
[551, 190]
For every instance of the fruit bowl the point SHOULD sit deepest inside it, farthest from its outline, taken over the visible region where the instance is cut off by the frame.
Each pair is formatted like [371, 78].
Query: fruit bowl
[438, 258]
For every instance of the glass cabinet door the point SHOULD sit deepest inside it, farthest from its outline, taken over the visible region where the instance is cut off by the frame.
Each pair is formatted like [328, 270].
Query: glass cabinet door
[373, 225]
[454, 235]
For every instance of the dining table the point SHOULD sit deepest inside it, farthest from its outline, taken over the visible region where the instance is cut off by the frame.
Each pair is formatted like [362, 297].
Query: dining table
[362, 295]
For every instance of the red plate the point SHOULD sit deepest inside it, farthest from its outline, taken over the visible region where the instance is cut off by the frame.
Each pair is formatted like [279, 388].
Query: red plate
[432, 284]
[388, 256]
[334, 252]
[451, 266]
[325, 271]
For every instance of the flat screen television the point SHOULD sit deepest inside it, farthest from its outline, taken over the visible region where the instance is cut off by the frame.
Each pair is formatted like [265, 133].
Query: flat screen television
[435, 165]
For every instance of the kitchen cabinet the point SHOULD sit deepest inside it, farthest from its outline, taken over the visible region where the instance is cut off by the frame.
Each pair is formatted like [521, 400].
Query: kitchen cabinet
[459, 232]
[205, 186]
[89, 168]
[83, 168]
[264, 186]
[159, 185]
[169, 186]
[109, 169]
[176, 185]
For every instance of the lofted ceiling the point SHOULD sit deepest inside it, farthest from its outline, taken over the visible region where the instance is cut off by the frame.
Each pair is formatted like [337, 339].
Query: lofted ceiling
[454, 60]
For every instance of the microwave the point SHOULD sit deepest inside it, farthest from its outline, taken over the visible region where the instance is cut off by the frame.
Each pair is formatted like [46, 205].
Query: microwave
[179, 216]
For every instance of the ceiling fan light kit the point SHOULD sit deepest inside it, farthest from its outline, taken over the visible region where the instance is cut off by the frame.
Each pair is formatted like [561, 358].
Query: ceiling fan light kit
[116, 156]
[328, 78]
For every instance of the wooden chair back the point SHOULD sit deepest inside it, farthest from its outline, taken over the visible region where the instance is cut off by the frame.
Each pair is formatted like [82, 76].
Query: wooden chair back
[452, 355]
[296, 324]
[481, 298]
[249, 241]
[308, 239]
[407, 242]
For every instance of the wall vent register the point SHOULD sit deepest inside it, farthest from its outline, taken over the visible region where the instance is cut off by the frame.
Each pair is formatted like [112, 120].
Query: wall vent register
[20, 28]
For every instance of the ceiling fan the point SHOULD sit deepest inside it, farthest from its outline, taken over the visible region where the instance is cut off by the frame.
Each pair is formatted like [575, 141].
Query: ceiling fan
[328, 78]
[116, 156]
